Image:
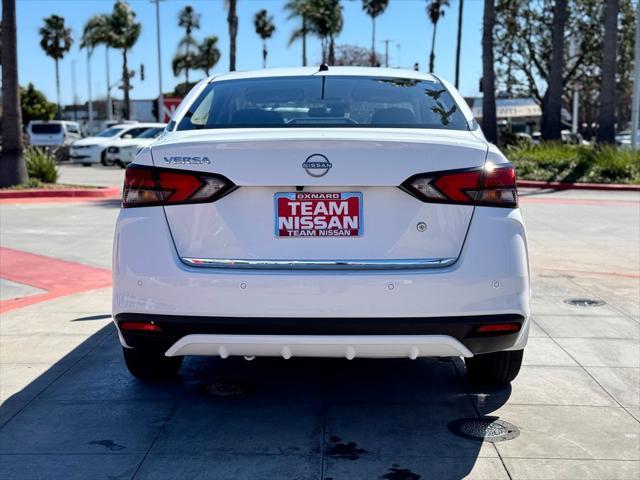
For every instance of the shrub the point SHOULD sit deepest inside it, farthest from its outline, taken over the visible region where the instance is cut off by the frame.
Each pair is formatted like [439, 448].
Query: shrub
[41, 165]
[553, 161]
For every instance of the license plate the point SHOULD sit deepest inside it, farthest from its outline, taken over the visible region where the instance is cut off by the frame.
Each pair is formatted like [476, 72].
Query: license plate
[318, 214]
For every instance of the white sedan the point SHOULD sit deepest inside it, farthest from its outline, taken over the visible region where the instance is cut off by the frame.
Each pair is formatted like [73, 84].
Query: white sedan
[123, 151]
[92, 150]
[379, 224]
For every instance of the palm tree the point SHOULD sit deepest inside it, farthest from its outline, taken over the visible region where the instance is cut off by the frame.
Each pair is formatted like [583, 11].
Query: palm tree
[232, 20]
[606, 117]
[96, 32]
[12, 168]
[552, 108]
[124, 33]
[373, 9]
[325, 18]
[189, 20]
[489, 121]
[55, 41]
[435, 10]
[208, 54]
[264, 26]
[299, 8]
[459, 42]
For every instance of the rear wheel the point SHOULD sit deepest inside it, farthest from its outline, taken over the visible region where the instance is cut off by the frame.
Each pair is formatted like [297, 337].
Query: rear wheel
[104, 160]
[498, 368]
[151, 366]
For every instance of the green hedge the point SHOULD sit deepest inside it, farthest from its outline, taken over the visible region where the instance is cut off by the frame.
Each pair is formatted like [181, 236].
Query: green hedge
[558, 162]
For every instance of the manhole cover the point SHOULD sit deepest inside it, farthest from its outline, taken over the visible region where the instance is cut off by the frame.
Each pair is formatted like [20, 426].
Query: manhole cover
[584, 302]
[487, 429]
[222, 390]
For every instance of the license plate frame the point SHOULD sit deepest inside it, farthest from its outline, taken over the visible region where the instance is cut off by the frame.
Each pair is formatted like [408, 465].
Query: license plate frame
[315, 198]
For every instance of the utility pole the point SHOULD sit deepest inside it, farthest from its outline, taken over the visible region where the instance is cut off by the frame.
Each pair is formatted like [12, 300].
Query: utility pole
[636, 85]
[386, 52]
[160, 95]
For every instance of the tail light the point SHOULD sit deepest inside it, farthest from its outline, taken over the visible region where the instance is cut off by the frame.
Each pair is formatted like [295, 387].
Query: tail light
[149, 186]
[139, 327]
[498, 328]
[493, 185]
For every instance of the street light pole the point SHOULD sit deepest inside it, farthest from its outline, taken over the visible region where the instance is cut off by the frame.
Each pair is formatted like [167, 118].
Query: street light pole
[386, 52]
[575, 111]
[109, 107]
[160, 95]
[73, 90]
[90, 122]
[636, 85]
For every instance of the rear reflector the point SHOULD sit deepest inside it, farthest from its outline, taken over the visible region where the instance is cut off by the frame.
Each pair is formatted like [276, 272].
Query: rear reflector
[499, 328]
[139, 327]
[493, 185]
[148, 186]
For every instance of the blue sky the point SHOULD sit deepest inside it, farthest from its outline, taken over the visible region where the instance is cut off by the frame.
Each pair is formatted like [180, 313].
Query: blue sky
[405, 22]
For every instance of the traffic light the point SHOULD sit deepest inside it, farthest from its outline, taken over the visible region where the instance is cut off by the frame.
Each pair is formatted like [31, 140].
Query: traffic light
[142, 72]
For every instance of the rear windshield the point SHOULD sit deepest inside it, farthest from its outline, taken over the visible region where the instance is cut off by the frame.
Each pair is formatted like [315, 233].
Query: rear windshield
[109, 132]
[152, 133]
[46, 128]
[324, 101]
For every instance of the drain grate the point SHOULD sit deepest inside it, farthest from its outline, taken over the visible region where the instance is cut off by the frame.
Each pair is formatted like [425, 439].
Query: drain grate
[487, 429]
[584, 302]
[221, 390]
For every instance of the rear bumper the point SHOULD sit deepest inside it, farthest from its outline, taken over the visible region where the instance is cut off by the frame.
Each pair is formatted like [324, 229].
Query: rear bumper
[490, 279]
[324, 337]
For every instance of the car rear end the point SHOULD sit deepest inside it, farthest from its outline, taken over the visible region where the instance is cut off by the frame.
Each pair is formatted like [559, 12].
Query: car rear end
[124, 152]
[380, 224]
[46, 133]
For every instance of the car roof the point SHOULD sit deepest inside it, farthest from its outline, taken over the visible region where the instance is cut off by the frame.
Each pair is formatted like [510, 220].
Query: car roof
[331, 71]
[52, 121]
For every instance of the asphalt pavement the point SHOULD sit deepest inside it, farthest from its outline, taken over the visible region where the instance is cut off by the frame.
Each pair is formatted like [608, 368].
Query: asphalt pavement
[71, 410]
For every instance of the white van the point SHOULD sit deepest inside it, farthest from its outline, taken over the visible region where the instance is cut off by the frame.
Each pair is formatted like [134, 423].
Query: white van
[53, 133]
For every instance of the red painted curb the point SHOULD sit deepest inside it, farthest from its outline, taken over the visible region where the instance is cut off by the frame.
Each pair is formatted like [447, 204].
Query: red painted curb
[578, 186]
[99, 192]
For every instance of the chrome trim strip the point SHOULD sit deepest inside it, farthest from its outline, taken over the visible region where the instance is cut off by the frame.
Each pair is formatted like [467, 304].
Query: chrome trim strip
[399, 264]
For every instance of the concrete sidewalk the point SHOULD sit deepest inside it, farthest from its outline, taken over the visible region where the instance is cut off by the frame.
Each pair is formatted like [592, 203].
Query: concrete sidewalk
[71, 410]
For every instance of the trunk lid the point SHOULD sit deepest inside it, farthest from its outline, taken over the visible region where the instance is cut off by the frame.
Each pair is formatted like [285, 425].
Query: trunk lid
[393, 225]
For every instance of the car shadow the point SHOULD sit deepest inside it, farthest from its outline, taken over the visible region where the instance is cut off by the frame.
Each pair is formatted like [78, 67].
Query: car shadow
[268, 418]
[108, 203]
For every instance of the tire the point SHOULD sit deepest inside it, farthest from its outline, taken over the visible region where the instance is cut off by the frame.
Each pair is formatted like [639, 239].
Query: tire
[151, 366]
[85, 164]
[494, 369]
[104, 161]
[121, 164]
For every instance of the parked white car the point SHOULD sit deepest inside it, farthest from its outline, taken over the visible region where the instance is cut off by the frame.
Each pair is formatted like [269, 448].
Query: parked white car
[623, 139]
[381, 224]
[53, 133]
[123, 151]
[92, 150]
